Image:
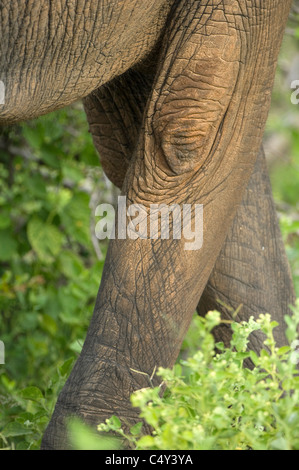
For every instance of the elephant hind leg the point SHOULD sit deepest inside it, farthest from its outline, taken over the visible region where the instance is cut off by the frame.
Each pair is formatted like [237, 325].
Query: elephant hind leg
[252, 269]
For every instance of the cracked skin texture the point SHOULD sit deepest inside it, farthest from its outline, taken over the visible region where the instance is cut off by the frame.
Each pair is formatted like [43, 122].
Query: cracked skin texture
[177, 96]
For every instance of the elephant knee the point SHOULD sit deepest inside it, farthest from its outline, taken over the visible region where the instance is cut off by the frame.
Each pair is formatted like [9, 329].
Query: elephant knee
[185, 143]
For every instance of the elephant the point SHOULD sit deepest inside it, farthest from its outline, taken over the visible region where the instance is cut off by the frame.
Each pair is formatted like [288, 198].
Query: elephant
[176, 94]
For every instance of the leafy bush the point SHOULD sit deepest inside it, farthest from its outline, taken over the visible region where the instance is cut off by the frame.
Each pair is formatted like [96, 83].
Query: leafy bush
[25, 413]
[213, 403]
[50, 268]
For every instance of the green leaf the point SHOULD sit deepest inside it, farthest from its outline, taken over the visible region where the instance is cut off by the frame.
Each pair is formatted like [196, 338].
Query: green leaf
[49, 156]
[279, 444]
[34, 138]
[136, 429]
[45, 239]
[70, 172]
[66, 367]
[76, 218]
[146, 442]
[254, 357]
[70, 318]
[8, 246]
[76, 346]
[14, 429]
[4, 218]
[116, 423]
[84, 438]
[31, 393]
[283, 350]
[48, 324]
[37, 186]
[70, 264]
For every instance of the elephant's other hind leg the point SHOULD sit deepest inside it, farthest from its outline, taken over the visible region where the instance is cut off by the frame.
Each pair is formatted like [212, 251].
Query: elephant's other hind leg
[252, 268]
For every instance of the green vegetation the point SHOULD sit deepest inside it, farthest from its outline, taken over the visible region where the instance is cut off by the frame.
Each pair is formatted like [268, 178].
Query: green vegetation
[213, 403]
[282, 144]
[50, 268]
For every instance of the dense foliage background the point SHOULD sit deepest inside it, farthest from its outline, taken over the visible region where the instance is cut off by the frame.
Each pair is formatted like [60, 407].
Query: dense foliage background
[51, 262]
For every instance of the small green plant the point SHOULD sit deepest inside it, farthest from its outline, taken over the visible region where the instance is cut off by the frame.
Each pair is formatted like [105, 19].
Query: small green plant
[213, 402]
[25, 413]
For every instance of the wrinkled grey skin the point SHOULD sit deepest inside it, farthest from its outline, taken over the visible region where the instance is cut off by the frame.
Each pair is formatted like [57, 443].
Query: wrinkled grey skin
[177, 95]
